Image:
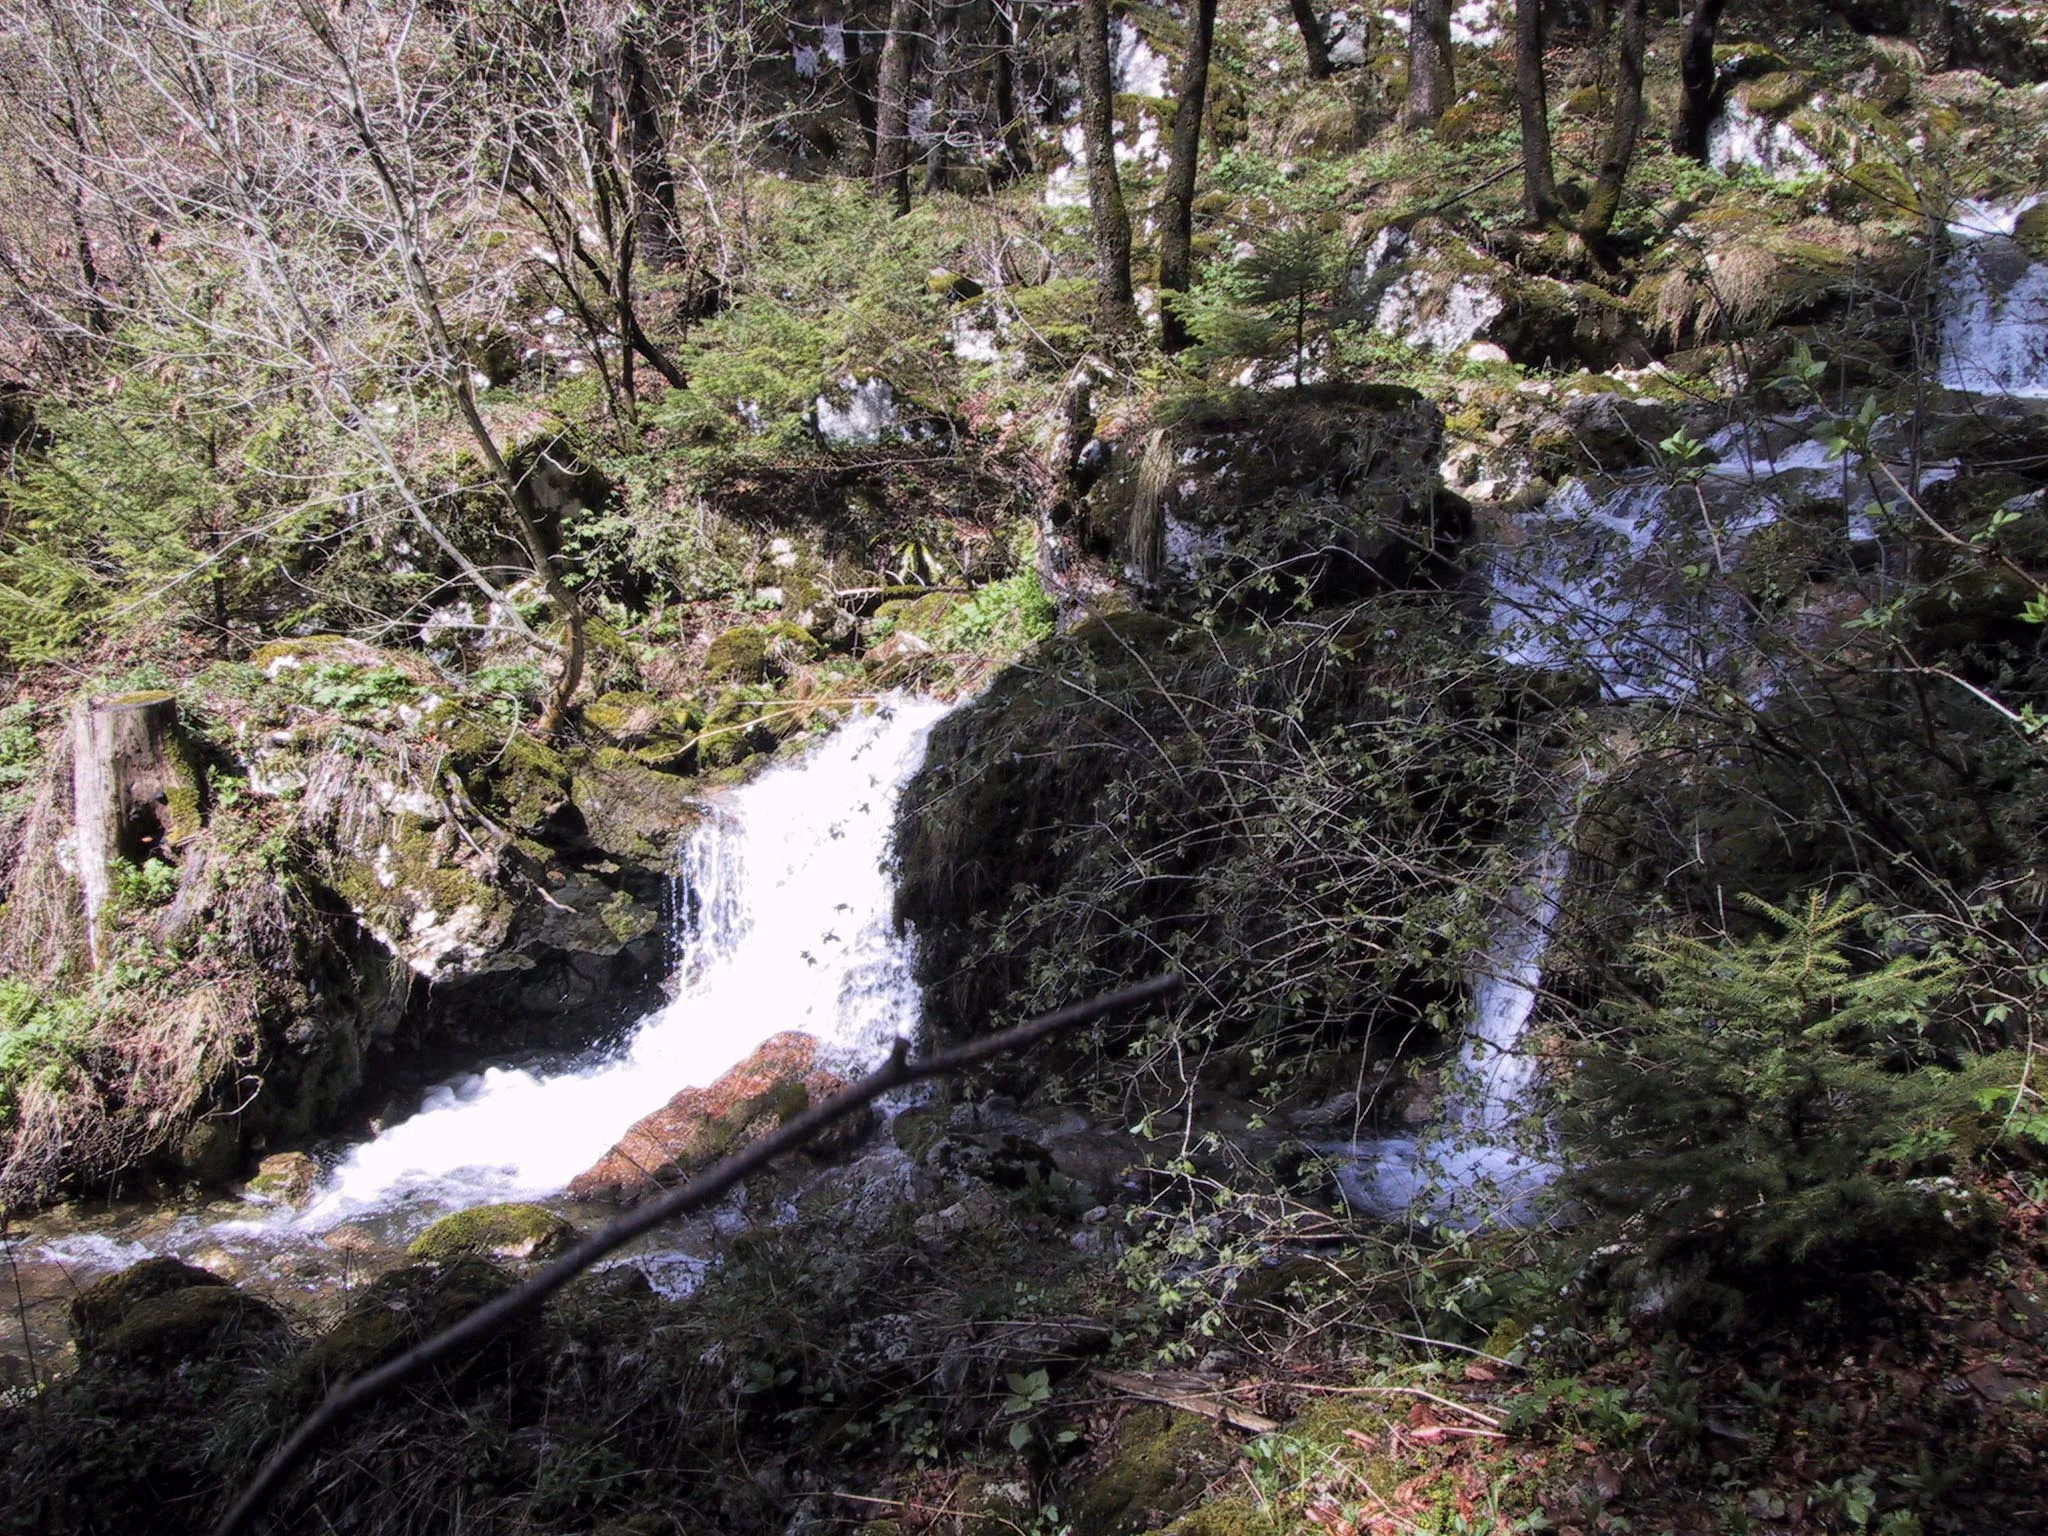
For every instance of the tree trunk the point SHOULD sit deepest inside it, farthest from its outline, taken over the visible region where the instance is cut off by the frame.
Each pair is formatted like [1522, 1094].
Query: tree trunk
[1539, 183]
[1696, 77]
[1312, 38]
[1176, 239]
[1016, 151]
[1431, 81]
[942, 71]
[1628, 122]
[892, 106]
[134, 791]
[1115, 310]
[641, 136]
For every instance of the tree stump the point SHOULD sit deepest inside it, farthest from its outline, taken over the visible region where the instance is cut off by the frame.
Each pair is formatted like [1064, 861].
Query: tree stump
[135, 790]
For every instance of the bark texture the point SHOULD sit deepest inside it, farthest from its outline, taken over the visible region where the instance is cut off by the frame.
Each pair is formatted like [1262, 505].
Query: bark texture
[1115, 309]
[892, 106]
[1696, 79]
[1431, 81]
[1627, 126]
[1176, 238]
[1539, 183]
[1312, 38]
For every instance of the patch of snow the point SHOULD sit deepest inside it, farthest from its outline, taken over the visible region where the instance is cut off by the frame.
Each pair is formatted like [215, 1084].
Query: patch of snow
[868, 414]
[1137, 68]
[1476, 23]
[1738, 137]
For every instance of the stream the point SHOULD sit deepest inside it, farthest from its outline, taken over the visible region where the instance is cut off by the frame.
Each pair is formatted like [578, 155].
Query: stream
[784, 922]
[784, 899]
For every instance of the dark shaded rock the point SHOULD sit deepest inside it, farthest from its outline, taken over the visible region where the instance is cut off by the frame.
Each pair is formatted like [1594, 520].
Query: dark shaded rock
[397, 1311]
[103, 1305]
[1330, 490]
[193, 1323]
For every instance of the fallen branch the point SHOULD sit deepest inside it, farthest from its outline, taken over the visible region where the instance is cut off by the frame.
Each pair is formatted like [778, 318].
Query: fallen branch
[1442, 1402]
[493, 1315]
[1189, 1397]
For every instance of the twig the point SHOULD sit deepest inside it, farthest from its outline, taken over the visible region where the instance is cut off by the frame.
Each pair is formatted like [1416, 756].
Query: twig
[493, 1315]
[1207, 1401]
[1443, 1402]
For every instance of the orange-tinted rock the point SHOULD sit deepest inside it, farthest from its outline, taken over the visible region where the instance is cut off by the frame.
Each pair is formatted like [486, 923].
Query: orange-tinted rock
[699, 1126]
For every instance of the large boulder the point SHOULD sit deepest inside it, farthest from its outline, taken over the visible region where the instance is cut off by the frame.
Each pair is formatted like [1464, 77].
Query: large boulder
[1330, 490]
[164, 1310]
[699, 1126]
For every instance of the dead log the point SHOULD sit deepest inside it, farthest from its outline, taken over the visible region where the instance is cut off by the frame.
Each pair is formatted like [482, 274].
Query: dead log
[136, 792]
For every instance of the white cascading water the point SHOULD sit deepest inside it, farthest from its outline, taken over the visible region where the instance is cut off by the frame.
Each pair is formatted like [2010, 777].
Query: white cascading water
[1994, 306]
[786, 924]
[1476, 1166]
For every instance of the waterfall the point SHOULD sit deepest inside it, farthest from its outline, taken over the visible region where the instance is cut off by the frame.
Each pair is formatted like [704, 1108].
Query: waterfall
[784, 922]
[1473, 1168]
[1994, 306]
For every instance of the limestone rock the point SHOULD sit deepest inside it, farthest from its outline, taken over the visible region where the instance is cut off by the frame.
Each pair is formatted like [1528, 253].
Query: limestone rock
[287, 1178]
[699, 1126]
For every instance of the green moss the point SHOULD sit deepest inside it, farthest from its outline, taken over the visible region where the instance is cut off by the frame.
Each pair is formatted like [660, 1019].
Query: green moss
[920, 615]
[98, 1309]
[1162, 1461]
[1774, 95]
[419, 882]
[192, 1323]
[2031, 232]
[1236, 1516]
[758, 653]
[514, 1231]
[396, 1311]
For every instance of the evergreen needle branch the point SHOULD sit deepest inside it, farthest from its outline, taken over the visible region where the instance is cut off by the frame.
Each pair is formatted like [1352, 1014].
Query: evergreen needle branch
[488, 1319]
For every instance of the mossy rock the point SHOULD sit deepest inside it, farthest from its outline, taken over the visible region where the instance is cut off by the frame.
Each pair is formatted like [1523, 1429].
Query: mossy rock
[1161, 1462]
[100, 1307]
[943, 284]
[916, 1130]
[632, 810]
[921, 615]
[286, 1177]
[510, 1233]
[194, 1323]
[1774, 95]
[636, 719]
[2031, 232]
[759, 653]
[210, 1151]
[1235, 1516]
[1747, 61]
[396, 1311]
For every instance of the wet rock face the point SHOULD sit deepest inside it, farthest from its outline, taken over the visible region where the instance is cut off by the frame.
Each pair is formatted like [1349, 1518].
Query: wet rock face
[699, 1126]
[1330, 488]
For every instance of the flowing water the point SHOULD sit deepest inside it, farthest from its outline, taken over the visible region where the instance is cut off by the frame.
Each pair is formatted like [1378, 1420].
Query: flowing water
[1994, 305]
[784, 922]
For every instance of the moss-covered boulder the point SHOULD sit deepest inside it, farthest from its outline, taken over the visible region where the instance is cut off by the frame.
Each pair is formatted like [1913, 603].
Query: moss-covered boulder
[193, 1323]
[632, 811]
[100, 1307]
[287, 1178]
[513, 1233]
[398, 1310]
[699, 1126]
[759, 653]
[654, 731]
[1160, 1462]
[1328, 493]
